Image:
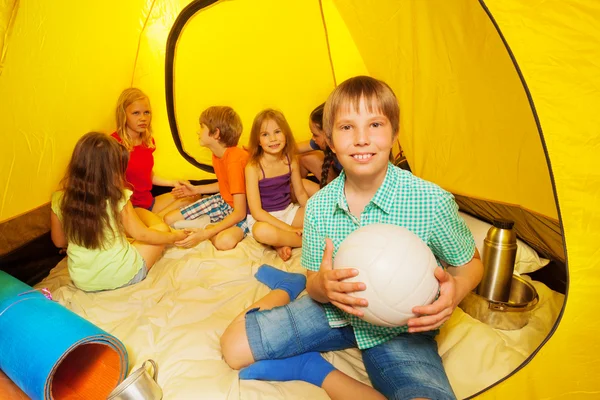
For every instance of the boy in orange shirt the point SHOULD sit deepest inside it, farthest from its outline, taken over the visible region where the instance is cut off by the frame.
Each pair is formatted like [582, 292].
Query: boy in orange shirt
[220, 130]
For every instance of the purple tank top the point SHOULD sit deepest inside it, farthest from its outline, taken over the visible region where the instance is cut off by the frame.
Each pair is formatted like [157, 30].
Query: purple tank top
[275, 192]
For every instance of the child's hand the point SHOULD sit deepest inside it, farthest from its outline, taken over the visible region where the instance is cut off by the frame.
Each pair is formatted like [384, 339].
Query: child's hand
[179, 235]
[297, 231]
[181, 183]
[185, 189]
[194, 237]
[438, 312]
[331, 286]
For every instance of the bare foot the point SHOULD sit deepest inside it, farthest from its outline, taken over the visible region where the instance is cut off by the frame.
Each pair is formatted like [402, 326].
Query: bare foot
[284, 252]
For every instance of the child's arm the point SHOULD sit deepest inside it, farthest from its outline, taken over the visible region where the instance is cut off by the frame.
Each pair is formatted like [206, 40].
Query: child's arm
[56, 231]
[158, 181]
[135, 228]
[297, 184]
[185, 189]
[453, 243]
[455, 284]
[327, 286]
[304, 147]
[199, 235]
[255, 203]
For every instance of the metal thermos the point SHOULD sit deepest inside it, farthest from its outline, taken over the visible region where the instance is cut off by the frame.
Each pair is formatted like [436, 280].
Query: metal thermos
[499, 252]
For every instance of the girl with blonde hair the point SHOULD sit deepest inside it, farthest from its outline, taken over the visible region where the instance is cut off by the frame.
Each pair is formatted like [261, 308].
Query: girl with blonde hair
[134, 131]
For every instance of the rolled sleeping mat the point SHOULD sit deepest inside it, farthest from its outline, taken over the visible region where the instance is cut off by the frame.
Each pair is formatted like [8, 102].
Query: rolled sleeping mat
[52, 353]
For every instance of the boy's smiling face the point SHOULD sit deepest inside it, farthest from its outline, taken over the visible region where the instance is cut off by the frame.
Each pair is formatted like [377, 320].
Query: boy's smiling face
[362, 141]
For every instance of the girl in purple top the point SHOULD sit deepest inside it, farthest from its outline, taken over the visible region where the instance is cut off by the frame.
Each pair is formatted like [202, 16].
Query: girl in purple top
[271, 174]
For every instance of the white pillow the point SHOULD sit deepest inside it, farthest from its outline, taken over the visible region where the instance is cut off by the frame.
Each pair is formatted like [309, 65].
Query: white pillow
[527, 259]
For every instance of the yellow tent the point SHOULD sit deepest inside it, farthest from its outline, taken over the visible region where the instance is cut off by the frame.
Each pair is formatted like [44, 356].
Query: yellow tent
[499, 103]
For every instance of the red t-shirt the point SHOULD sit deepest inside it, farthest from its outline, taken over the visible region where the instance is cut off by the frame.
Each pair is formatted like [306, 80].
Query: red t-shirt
[139, 173]
[229, 170]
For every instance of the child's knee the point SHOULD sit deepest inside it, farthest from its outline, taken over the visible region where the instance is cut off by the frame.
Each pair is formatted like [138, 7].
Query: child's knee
[225, 241]
[235, 353]
[172, 217]
[264, 232]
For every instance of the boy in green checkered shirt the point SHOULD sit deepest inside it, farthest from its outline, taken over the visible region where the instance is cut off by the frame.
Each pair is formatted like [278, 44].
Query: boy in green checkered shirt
[278, 341]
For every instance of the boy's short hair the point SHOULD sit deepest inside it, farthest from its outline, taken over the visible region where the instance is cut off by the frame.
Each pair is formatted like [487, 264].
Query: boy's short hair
[226, 120]
[377, 94]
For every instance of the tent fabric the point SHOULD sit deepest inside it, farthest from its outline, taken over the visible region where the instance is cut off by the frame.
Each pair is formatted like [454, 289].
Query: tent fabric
[557, 45]
[498, 102]
[8, 11]
[465, 123]
[178, 313]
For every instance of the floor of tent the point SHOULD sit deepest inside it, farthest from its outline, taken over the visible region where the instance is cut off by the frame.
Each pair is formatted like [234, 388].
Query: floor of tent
[177, 314]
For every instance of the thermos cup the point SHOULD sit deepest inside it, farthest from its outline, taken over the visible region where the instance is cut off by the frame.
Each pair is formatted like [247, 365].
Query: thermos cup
[499, 252]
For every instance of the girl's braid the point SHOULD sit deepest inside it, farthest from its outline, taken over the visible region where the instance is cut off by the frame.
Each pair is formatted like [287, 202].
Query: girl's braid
[327, 164]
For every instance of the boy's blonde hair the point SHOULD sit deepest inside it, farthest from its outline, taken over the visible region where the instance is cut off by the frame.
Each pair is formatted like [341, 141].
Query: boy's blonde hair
[127, 97]
[289, 150]
[226, 120]
[377, 94]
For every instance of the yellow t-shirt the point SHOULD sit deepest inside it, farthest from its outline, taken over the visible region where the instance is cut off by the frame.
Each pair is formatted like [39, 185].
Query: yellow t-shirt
[101, 269]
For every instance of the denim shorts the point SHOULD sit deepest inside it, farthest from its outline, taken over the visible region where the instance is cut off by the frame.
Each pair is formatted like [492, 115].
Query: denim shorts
[151, 205]
[137, 278]
[404, 367]
[140, 276]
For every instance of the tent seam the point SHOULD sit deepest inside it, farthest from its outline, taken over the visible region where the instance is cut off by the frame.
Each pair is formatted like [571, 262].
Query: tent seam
[137, 51]
[327, 43]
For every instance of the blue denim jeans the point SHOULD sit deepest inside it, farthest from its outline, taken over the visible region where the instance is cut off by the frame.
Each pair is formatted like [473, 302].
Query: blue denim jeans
[404, 367]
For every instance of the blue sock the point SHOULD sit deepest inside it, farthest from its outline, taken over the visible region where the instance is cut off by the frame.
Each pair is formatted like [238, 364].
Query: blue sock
[274, 278]
[308, 367]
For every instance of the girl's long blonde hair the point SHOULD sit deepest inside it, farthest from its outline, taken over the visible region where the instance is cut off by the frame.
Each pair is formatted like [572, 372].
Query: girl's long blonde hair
[92, 190]
[256, 152]
[127, 97]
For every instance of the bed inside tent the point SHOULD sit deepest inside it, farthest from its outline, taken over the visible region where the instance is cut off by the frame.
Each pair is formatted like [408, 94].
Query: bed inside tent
[491, 107]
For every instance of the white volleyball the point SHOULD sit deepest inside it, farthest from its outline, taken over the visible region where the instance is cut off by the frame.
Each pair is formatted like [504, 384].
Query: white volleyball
[396, 266]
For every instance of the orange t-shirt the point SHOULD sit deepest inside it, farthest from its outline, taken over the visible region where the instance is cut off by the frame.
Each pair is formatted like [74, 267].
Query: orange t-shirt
[230, 172]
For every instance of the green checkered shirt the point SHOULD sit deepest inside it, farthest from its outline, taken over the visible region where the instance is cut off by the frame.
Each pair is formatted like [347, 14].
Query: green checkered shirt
[403, 199]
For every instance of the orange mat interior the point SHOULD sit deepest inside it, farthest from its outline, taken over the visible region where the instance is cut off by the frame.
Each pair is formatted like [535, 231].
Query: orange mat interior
[90, 371]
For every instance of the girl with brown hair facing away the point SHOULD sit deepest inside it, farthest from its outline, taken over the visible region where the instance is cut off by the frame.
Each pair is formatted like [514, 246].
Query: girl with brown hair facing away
[93, 215]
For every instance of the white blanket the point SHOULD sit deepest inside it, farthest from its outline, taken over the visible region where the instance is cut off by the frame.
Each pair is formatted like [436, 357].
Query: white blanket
[178, 313]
